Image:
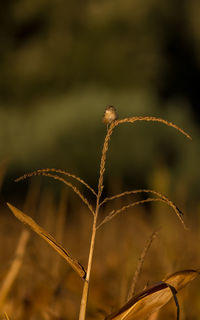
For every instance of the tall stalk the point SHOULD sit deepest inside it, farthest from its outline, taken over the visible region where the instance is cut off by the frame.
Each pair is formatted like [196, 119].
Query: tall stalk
[110, 127]
[85, 292]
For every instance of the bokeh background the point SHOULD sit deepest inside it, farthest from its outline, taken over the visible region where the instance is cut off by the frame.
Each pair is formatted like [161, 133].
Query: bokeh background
[62, 63]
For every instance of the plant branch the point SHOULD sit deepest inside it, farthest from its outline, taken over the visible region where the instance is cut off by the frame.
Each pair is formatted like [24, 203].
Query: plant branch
[119, 195]
[68, 174]
[128, 120]
[140, 265]
[69, 184]
[113, 213]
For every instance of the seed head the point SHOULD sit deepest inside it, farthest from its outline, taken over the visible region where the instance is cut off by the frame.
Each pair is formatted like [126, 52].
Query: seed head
[110, 115]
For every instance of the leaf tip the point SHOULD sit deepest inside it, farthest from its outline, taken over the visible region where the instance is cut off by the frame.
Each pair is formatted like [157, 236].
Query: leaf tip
[9, 205]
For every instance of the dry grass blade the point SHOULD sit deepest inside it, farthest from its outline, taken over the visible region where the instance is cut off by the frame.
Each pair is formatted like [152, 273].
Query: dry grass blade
[6, 316]
[113, 213]
[68, 174]
[15, 267]
[49, 239]
[56, 177]
[128, 120]
[140, 264]
[153, 298]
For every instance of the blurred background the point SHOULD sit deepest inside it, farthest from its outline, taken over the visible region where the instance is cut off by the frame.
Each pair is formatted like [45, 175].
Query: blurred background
[62, 63]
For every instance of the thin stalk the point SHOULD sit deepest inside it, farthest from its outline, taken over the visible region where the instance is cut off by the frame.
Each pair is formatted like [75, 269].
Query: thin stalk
[85, 292]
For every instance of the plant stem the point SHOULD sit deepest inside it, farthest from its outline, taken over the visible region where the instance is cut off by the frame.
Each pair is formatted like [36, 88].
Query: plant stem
[84, 298]
[85, 292]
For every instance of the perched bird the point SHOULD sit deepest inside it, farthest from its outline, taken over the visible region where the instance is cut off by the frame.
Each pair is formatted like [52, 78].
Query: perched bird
[110, 115]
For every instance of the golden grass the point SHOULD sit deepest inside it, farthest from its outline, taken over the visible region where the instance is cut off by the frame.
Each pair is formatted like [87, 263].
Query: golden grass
[154, 298]
[15, 267]
[56, 177]
[161, 198]
[6, 316]
[48, 238]
[55, 174]
[140, 264]
[129, 120]
[43, 171]
[118, 249]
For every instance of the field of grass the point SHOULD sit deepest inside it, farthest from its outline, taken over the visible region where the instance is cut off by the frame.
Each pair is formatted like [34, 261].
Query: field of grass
[149, 238]
[68, 250]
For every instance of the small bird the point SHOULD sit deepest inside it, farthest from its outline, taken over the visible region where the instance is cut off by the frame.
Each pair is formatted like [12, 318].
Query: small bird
[110, 115]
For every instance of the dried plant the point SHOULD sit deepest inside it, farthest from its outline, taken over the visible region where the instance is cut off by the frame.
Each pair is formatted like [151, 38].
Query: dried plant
[152, 299]
[15, 266]
[64, 177]
[140, 264]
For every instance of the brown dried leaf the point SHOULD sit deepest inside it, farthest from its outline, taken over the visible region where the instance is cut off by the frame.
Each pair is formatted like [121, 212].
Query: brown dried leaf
[153, 298]
[49, 239]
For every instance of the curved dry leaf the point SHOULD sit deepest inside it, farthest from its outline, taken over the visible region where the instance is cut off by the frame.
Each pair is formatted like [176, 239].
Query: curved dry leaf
[179, 279]
[49, 239]
[153, 298]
